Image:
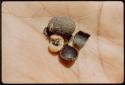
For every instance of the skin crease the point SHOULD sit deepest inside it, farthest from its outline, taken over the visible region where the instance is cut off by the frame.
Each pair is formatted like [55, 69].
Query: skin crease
[25, 55]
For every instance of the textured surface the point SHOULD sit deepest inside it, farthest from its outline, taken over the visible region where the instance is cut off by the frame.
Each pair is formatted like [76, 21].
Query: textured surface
[62, 25]
[25, 55]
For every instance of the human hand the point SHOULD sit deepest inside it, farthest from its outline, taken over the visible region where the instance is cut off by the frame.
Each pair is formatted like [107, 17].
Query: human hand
[25, 55]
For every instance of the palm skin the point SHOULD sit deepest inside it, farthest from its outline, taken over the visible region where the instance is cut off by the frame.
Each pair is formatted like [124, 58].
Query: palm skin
[25, 55]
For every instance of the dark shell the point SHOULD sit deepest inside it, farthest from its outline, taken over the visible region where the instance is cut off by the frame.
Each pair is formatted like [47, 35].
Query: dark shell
[62, 25]
[80, 39]
[68, 53]
[46, 32]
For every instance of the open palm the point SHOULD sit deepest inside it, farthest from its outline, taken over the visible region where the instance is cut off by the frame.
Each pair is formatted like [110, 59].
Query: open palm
[25, 55]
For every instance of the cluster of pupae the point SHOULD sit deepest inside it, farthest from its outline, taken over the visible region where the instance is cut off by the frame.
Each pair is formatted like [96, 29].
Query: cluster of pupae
[59, 32]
